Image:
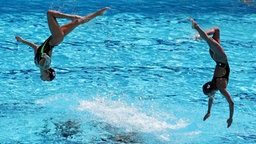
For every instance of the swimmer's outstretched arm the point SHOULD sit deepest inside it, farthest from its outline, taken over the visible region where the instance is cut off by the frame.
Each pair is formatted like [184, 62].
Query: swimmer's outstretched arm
[231, 105]
[208, 114]
[34, 46]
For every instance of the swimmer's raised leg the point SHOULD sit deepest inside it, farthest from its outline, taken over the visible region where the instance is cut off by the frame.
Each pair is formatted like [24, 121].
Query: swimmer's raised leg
[70, 26]
[213, 44]
[215, 31]
[59, 32]
[93, 15]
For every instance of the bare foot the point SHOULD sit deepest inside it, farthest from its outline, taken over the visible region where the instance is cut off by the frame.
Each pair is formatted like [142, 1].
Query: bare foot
[194, 24]
[93, 15]
[18, 38]
[101, 11]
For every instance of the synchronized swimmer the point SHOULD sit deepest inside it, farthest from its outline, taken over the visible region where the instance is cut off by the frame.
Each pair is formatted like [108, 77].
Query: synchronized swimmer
[221, 73]
[43, 53]
[219, 81]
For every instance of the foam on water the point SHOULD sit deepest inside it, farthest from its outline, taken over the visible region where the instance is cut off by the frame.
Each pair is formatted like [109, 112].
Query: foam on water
[117, 114]
[129, 117]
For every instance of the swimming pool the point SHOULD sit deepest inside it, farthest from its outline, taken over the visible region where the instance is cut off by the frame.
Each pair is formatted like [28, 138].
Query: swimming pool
[131, 76]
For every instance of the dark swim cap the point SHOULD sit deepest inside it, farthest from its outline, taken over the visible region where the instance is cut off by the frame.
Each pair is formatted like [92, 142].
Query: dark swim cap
[208, 87]
[52, 74]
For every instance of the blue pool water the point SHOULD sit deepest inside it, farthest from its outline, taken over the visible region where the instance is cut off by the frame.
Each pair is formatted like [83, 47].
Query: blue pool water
[131, 76]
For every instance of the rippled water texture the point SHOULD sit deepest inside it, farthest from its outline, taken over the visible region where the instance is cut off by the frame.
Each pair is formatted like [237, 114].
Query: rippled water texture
[131, 76]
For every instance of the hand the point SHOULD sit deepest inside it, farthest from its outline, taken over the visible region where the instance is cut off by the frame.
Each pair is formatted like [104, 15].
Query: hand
[229, 121]
[18, 38]
[206, 116]
[194, 24]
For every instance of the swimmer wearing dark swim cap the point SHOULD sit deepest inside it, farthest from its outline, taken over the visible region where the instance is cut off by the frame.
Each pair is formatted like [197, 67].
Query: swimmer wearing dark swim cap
[221, 72]
[43, 53]
[209, 89]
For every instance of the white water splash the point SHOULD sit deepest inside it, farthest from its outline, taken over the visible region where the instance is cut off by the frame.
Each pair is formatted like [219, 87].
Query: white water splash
[128, 117]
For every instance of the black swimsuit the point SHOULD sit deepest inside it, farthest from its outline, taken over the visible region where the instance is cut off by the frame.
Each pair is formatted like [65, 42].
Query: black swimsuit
[226, 67]
[44, 48]
[223, 65]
